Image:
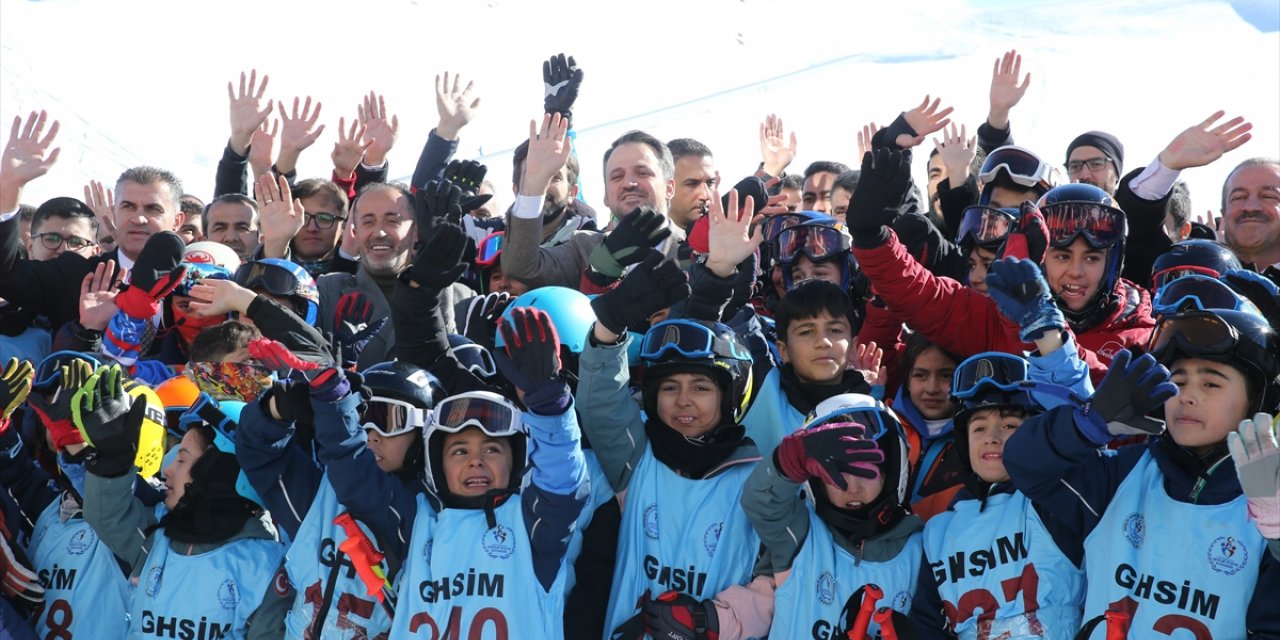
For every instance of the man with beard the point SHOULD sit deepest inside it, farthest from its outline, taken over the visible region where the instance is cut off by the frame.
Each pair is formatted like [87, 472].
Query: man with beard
[696, 181]
[562, 212]
[1251, 214]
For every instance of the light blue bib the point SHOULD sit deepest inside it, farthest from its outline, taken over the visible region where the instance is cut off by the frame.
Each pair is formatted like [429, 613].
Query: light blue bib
[86, 593]
[771, 418]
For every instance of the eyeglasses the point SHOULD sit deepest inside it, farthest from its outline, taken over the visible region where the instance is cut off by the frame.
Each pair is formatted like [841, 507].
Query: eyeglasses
[987, 372]
[1198, 293]
[817, 242]
[489, 250]
[986, 225]
[689, 339]
[52, 241]
[1022, 166]
[389, 417]
[1101, 225]
[323, 220]
[490, 412]
[1094, 164]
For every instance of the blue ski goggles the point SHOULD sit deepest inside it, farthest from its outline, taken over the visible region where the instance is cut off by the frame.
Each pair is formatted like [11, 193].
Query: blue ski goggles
[876, 422]
[985, 225]
[1199, 293]
[49, 371]
[987, 372]
[689, 339]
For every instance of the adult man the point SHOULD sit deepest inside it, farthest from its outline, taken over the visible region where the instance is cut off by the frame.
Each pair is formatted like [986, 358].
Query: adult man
[819, 178]
[232, 219]
[696, 180]
[562, 214]
[842, 192]
[312, 239]
[1251, 212]
[191, 210]
[1096, 158]
[60, 225]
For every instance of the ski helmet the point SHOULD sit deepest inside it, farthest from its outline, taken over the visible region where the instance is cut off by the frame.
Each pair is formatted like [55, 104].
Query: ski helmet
[1204, 257]
[695, 346]
[493, 414]
[1241, 339]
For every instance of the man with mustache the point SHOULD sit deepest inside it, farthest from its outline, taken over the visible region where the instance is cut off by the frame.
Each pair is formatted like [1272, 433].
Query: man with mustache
[1251, 214]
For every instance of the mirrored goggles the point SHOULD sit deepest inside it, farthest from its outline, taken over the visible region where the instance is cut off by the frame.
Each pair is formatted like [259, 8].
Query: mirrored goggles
[242, 381]
[197, 271]
[489, 249]
[689, 339]
[987, 372]
[1198, 293]
[775, 224]
[490, 412]
[1101, 226]
[1022, 166]
[1198, 333]
[817, 242]
[985, 225]
[389, 417]
[272, 278]
[1161, 278]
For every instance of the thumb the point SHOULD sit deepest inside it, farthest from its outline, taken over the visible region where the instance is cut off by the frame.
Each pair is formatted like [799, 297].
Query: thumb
[137, 411]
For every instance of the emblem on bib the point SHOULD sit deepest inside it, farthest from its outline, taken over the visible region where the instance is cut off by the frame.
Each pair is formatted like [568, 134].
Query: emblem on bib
[153, 582]
[228, 594]
[712, 537]
[80, 542]
[651, 521]
[901, 601]
[826, 588]
[499, 542]
[1135, 529]
[1227, 555]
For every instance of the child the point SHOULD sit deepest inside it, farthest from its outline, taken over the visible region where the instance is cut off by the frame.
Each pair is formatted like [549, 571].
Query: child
[1164, 524]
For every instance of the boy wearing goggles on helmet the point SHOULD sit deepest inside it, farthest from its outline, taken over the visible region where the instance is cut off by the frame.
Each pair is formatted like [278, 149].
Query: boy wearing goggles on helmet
[854, 538]
[1133, 509]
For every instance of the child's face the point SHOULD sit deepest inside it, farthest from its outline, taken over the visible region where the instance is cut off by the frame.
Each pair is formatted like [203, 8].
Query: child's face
[689, 403]
[1212, 399]
[805, 269]
[861, 491]
[1075, 272]
[389, 451]
[817, 348]
[178, 473]
[929, 384]
[980, 260]
[988, 430]
[475, 463]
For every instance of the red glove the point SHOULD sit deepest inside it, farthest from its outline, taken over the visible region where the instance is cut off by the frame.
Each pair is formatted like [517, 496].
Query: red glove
[142, 304]
[1030, 237]
[55, 413]
[277, 357]
[827, 452]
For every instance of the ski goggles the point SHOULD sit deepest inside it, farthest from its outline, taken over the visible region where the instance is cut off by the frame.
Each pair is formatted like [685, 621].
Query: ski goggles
[49, 371]
[817, 242]
[476, 359]
[274, 279]
[1203, 333]
[987, 372]
[874, 421]
[389, 417]
[1100, 225]
[1161, 278]
[208, 411]
[689, 339]
[490, 412]
[242, 381]
[489, 249]
[773, 225]
[198, 271]
[1198, 293]
[1022, 166]
[986, 225]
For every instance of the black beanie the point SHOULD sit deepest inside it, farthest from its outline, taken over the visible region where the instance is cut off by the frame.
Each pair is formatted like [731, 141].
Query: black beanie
[1109, 144]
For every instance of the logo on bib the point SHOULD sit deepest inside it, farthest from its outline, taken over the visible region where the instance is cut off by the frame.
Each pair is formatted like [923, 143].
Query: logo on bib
[1135, 529]
[651, 521]
[153, 582]
[80, 542]
[426, 551]
[712, 537]
[499, 542]
[1227, 555]
[826, 588]
[901, 601]
[228, 594]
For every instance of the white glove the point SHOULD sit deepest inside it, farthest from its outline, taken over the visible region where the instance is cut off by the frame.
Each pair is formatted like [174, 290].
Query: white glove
[1257, 457]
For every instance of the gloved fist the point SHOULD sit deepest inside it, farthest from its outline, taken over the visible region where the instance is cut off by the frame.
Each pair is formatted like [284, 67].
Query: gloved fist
[292, 401]
[469, 176]
[677, 616]
[652, 286]
[109, 420]
[827, 453]
[157, 272]
[482, 317]
[354, 325]
[629, 242]
[55, 411]
[874, 204]
[1253, 448]
[1130, 390]
[1030, 236]
[1022, 295]
[561, 79]
[15, 384]
[327, 380]
[439, 263]
[530, 359]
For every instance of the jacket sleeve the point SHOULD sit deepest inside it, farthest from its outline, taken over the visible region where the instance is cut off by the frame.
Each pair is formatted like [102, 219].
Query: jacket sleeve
[991, 138]
[119, 518]
[374, 497]
[25, 481]
[420, 332]
[1058, 469]
[1147, 239]
[232, 175]
[525, 260]
[926, 607]
[280, 471]
[434, 158]
[746, 611]
[369, 175]
[554, 499]
[610, 417]
[283, 325]
[773, 505]
[44, 287]
[1062, 367]
[952, 201]
[710, 294]
[267, 621]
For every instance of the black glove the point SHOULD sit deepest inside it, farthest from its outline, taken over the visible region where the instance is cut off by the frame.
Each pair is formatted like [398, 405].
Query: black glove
[468, 175]
[354, 325]
[875, 200]
[157, 272]
[436, 204]
[530, 360]
[439, 261]
[652, 286]
[561, 79]
[293, 401]
[15, 384]
[482, 317]
[629, 242]
[1130, 390]
[110, 421]
[748, 186]
[677, 616]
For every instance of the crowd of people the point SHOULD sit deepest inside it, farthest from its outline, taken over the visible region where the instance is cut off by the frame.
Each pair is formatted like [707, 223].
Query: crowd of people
[1033, 399]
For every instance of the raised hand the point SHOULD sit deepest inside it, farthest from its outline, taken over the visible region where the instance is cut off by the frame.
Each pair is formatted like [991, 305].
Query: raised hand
[1022, 295]
[866, 360]
[469, 176]
[482, 317]
[54, 407]
[629, 242]
[299, 131]
[957, 151]
[215, 297]
[865, 135]
[827, 452]
[1006, 91]
[439, 261]
[1201, 144]
[1030, 236]
[775, 149]
[530, 356]
[157, 272]
[438, 203]
[729, 237]
[548, 152]
[280, 215]
[98, 296]
[1257, 457]
[653, 285]
[262, 147]
[26, 156]
[354, 325]
[380, 131]
[455, 104]
[348, 150]
[1131, 389]
[103, 203]
[109, 420]
[925, 119]
[874, 203]
[561, 80]
[15, 385]
[247, 112]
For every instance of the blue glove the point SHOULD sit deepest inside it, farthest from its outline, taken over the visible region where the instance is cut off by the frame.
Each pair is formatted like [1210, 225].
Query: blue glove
[1022, 295]
[1119, 407]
